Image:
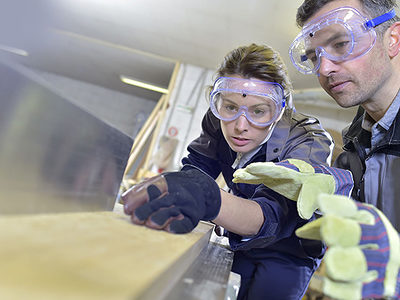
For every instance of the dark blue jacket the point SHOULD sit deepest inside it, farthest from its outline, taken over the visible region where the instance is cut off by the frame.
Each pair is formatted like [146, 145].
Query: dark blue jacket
[295, 136]
[378, 185]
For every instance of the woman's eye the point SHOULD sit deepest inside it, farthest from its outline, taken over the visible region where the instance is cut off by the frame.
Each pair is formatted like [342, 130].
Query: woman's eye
[259, 111]
[231, 107]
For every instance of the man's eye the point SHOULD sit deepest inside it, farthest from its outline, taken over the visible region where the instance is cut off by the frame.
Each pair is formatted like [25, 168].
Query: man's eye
[312, 57]
[341, 45]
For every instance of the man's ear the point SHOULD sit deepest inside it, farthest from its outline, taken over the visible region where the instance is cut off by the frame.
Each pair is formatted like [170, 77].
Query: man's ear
[394, 39]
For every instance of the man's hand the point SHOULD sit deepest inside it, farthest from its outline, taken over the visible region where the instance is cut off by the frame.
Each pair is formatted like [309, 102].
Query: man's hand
[298, 181]
[363, 256]
[174, 201]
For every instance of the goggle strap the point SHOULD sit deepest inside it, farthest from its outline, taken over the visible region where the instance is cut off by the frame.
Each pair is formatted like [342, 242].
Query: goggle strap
[381, 19]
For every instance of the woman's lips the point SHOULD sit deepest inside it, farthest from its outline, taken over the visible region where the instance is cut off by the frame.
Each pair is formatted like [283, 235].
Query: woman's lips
[240, 141]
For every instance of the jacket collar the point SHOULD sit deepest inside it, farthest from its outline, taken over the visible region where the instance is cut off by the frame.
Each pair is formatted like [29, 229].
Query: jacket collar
[356, 132]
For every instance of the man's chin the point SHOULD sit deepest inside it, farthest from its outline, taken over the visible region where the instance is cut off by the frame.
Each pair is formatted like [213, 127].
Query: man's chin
[342, 100]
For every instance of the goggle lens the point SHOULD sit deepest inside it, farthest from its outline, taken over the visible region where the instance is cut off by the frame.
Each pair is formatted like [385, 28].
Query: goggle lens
[228, 109]
[341, 34]
[261, 102]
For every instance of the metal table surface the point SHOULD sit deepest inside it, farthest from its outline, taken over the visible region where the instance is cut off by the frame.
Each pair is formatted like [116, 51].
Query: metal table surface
[209, 276]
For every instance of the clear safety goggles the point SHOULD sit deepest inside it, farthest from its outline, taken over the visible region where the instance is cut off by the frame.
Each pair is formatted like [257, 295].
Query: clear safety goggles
[259, 101]
[339, 35]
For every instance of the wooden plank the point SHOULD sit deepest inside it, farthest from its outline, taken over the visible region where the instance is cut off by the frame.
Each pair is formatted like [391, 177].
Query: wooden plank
[97, 255]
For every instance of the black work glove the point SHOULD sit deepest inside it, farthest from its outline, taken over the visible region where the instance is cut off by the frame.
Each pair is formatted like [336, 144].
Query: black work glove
[174, 201]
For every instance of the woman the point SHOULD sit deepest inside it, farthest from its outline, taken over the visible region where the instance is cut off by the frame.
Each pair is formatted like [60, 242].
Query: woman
[250, 120]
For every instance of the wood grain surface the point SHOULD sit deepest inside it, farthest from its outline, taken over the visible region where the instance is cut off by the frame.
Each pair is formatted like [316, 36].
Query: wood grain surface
[98, 255]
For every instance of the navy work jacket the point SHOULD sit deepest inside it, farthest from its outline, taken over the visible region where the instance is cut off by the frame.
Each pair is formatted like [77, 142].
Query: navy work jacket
[295, 136]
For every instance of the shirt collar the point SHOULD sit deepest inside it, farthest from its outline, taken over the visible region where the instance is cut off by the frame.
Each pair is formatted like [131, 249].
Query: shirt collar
[387, 119]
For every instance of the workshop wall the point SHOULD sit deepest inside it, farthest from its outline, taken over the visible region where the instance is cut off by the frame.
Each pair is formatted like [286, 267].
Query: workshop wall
[124, 112]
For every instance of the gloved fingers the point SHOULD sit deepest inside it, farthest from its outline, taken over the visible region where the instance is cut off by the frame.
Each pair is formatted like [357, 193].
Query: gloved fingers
[270, 170]
[242, 176]
[284, 186]
[143, 192]
[337, 205]
[366, 217]
[330, 227]
[311, 230]
[333, 230]
[184, 225]
[142, 213]
[154, 192]
[347, 276]
[133, 200]
[345, 263]
[162, 217]
[363, 258]
[345, 224]
[285, 182]
[338, 231]
[312, 187]
[307, 201]
[342, 290]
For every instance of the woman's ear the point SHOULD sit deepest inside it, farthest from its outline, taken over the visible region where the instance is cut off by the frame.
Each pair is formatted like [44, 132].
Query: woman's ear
[394, 40]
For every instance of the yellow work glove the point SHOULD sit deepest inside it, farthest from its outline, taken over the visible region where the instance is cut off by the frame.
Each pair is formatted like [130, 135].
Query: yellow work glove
[363, 256]
[298, 181]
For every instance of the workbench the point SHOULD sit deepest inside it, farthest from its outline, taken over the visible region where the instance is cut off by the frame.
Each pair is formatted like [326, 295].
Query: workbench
[102, 255]
[61, 169]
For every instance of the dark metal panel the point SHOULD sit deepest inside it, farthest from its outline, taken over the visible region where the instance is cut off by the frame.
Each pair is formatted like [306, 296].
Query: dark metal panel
[208, 277]
[54, 157]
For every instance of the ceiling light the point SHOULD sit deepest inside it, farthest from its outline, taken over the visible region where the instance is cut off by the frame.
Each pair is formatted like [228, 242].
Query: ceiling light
[14, 50]
[144, 85]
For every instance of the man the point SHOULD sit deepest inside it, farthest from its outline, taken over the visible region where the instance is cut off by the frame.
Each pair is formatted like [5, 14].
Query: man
[362, 71]
[353, 48]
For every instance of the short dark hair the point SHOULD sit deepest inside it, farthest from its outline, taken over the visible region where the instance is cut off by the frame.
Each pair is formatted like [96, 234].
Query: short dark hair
[256, 61]
[373, 8]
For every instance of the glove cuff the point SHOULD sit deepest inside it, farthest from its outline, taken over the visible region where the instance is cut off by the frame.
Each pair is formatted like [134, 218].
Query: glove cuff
[343, 179]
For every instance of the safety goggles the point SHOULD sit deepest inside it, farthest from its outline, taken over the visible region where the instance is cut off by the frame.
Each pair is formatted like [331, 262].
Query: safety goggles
[339, 35]
[259, 101]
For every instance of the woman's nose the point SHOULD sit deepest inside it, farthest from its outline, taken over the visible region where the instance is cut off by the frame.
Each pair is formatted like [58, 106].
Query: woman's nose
[241, 123]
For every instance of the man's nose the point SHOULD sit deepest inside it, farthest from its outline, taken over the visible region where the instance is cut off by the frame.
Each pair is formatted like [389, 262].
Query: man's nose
[326, 66]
